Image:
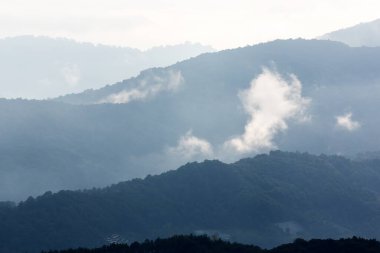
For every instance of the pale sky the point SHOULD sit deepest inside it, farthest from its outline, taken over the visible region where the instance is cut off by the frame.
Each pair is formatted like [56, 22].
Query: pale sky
[147, 23]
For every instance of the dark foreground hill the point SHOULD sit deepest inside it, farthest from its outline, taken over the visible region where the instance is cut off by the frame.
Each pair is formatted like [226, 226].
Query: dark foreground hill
[203, 244]
[267, 200]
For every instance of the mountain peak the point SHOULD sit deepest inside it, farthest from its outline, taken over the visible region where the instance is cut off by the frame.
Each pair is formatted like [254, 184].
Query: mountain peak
[363, 34]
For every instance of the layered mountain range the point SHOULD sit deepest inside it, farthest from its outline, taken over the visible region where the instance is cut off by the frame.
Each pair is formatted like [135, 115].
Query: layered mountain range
[307, 95]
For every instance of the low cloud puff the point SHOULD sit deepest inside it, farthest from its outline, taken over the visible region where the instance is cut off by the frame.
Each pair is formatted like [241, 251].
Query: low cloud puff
[269, 101]
[71, 74]
[192, 147]
[148, 87]
[346, 122]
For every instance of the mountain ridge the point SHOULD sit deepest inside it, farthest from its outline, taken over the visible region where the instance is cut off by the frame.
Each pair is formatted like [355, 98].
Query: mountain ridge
[227, 53]
[363, 34]
[56, 66]
[267, 200]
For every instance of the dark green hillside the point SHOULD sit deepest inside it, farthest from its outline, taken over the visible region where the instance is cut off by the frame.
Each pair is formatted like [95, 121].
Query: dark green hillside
[266, 200]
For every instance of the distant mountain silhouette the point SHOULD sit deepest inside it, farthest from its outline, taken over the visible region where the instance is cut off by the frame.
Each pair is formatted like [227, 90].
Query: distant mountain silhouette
[267, 200]
[42, 67]
[364, 34]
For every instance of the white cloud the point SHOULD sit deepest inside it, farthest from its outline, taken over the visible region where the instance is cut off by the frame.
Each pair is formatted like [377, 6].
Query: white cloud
[148, 87]
[191, 147]
[269, 101]
[346, 122]
[71, 74]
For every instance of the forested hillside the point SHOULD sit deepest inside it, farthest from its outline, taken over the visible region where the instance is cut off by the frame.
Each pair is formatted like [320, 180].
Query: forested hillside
[267, 200]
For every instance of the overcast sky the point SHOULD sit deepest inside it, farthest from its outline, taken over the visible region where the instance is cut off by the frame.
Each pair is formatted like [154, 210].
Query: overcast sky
[147, 23]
